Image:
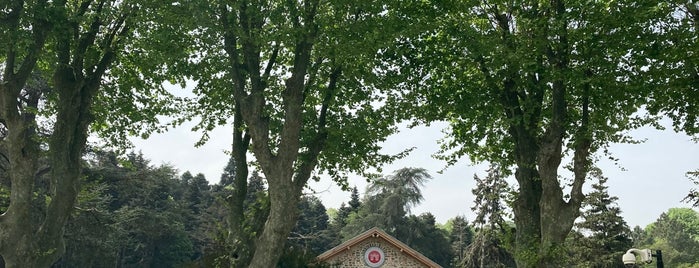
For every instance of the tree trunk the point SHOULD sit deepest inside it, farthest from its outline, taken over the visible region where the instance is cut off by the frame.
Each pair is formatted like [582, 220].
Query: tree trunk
[22, 240]
[526, 211]
[283, 215]
[243, 241]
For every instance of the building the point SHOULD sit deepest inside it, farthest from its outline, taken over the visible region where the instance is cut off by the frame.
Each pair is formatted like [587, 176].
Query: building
[375, 248]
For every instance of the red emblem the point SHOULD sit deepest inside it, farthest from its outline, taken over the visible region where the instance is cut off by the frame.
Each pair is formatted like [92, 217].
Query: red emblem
[374, 256]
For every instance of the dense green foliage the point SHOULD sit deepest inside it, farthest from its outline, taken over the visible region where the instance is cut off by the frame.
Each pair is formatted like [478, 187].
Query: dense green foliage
[492, 243]
[132, 214]
[676, 233]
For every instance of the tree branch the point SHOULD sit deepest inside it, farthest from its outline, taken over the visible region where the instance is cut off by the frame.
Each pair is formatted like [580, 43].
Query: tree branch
[318, 142]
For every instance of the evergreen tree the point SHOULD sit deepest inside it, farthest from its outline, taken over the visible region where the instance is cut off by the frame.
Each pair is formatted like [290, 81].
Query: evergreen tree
[386, 206]
[233, 235]
[256, 187]
[603, 233]
[397, 193]
[228, 175]
[354, 202]
[460, 237]
[493, 234]
[421, 233]
[130, 216]
[311, 233]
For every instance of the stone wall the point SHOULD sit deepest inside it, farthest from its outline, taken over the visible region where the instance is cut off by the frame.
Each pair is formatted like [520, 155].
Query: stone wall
[354, 257]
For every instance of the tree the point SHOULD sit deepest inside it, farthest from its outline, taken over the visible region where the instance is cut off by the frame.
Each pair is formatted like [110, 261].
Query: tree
[421, 233]
[354, 202]
[460, 236]
[76, 44]
[693, 195]
[342, 216]
[296, 77]
[676, 233]
[673, 67]
[131, 213]
[398, 193]
[387, 204]
[311, 233]
[241, 209]
[492, 242]
[603, 233]
[524, 84]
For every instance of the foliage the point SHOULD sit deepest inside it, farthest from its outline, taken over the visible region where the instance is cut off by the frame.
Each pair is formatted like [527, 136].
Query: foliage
[676, 233]
[101, 66]
[133, 214]
[492, 196]
[487, 250]
[399, 192]
[230, 248]
[693, 195]
[421, 233]
[492, 243]
[297, 80]
[311, 233]
[460, 236]
[672, 62]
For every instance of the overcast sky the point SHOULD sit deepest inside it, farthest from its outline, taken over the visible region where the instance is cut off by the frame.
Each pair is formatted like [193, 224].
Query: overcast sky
[653, 180]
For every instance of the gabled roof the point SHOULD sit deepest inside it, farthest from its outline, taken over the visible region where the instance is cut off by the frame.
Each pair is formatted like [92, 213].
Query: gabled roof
[377, 233]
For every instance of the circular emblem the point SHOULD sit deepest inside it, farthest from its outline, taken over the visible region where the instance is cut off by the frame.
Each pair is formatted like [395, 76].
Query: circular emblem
[374, 257]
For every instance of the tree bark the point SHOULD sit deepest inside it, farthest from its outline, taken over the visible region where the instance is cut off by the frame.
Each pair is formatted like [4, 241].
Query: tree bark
[284, 199]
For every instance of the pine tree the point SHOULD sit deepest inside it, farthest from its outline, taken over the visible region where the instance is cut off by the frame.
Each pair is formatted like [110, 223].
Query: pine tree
[489, 247]
[604, 231]
[354, 202]
[460, 236]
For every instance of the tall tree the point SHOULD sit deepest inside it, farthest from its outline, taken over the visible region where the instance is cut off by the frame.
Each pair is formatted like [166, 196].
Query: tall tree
[673, 64]
[76, 43]
[523, 84]
[421, 233]
[603, 232]
[460, 236]
[491, 245]
[296, 78]
[387, 205]
[354, 202]
[398, 193]
[673, 68]
[311, 234]
[676, 232]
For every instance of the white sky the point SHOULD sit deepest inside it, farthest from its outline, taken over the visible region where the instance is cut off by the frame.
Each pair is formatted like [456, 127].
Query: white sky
[653, 182]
